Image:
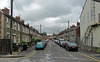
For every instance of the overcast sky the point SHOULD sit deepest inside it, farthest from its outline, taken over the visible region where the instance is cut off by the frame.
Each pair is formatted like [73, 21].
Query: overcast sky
[53, 15]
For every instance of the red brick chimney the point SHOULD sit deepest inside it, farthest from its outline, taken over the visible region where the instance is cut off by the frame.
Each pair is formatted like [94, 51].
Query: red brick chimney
[22, 21]
[67, 28]
[0, 16]
[6, 10]
[73, 26]
[18, 18]
[78, 23]
[31, 27]
[27, 25]
[70, 26]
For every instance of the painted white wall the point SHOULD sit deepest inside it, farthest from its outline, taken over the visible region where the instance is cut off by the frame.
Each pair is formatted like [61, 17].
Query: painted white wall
[85, 21]
[84, 18]
[96, 37]
[97, 11]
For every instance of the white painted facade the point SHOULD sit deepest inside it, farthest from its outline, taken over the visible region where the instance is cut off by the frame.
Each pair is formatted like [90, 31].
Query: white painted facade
[90, 16]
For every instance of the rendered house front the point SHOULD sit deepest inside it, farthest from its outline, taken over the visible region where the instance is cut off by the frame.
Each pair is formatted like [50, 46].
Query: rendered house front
[90, 24]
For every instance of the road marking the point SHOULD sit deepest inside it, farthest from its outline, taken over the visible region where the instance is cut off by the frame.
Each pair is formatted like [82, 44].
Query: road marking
[31, 54]
[71, 55]
[89, 57]
[21, 57]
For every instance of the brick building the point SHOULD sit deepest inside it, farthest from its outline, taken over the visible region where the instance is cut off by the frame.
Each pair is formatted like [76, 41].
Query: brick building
[72, 34]
[20, 31]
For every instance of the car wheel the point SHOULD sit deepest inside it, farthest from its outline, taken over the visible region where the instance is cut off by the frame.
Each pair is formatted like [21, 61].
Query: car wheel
[76, 49]
[68, 49]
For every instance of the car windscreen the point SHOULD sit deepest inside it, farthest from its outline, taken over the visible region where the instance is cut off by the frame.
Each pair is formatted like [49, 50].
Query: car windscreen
[39, 43]
[73, 44]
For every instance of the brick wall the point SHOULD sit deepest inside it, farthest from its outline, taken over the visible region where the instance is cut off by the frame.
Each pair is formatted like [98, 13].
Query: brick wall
[78, 32]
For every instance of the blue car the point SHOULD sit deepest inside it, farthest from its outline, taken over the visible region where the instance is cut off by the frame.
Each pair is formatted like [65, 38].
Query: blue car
[39, 45]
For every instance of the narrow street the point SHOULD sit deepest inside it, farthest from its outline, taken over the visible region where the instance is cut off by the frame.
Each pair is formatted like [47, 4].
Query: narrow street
[52, 53]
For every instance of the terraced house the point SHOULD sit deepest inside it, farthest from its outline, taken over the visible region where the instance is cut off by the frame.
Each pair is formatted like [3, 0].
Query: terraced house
[90, 24]
[71, 34]
[20, 30]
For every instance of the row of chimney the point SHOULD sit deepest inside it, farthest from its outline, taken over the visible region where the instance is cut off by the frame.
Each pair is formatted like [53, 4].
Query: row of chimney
[6, 11]
[78, 23]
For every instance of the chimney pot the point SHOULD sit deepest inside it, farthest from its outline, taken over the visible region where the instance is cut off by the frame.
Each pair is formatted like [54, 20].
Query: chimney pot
[27, 25]
[6, 10]
[18, 18]
[78, 23]
[22, 21]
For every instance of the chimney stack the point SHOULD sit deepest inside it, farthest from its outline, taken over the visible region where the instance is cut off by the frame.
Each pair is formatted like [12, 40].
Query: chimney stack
[73, 26]
[22, 21]
[6, 11]
[67, 28]
[27, 25]
[18, 18]
[78, 23]
[31, 27]
[70, 26]
[0, 15]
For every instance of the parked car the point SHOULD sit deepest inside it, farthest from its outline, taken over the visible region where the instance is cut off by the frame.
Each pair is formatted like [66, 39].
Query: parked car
[60, 40]
[71, 46]
[56, 41]
[64, 44]
[44, 43]
[61, 43]
[39, 45]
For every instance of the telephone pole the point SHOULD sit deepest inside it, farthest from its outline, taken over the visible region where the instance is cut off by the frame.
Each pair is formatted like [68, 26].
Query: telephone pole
[11, 46]
[68, 32]
[40, 28]
[40, 31]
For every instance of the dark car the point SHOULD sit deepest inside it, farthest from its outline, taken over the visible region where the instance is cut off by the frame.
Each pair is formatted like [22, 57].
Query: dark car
[71, 46]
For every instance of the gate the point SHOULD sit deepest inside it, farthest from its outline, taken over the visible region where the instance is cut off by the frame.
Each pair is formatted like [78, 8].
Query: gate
[4, 46]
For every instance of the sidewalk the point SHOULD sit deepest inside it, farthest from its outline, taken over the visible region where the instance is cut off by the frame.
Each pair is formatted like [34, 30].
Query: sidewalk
[89, 53]
[20, 54]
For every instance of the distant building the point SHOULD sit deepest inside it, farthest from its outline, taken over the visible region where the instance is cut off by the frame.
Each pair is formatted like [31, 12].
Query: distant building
[71, 34]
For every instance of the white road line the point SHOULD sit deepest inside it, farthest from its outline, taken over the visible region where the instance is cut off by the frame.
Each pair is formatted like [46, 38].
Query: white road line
[70, 54]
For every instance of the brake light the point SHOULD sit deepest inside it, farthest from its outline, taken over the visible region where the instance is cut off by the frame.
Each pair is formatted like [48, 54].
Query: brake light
[69, 46]
[64, 44]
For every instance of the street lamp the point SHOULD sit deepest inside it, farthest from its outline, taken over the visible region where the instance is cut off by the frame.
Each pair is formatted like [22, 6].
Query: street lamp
[11, 47]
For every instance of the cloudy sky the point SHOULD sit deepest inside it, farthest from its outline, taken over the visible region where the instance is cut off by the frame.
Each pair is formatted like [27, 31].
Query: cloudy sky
[53, 15]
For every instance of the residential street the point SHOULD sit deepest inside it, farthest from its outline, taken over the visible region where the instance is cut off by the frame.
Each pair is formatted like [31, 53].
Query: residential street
[52, 53]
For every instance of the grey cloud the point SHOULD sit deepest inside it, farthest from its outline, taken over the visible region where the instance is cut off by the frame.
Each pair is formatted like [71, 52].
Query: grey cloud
[64, 9]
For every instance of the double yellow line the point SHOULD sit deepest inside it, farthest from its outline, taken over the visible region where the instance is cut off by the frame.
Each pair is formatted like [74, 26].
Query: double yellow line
[89, 57]
[21, 57]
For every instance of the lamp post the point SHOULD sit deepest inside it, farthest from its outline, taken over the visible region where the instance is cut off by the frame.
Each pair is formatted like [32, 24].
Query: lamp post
[68, 32]
[11, 46]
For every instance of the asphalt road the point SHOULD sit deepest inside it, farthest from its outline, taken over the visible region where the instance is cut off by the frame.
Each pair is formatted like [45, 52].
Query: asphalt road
[52, 53]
